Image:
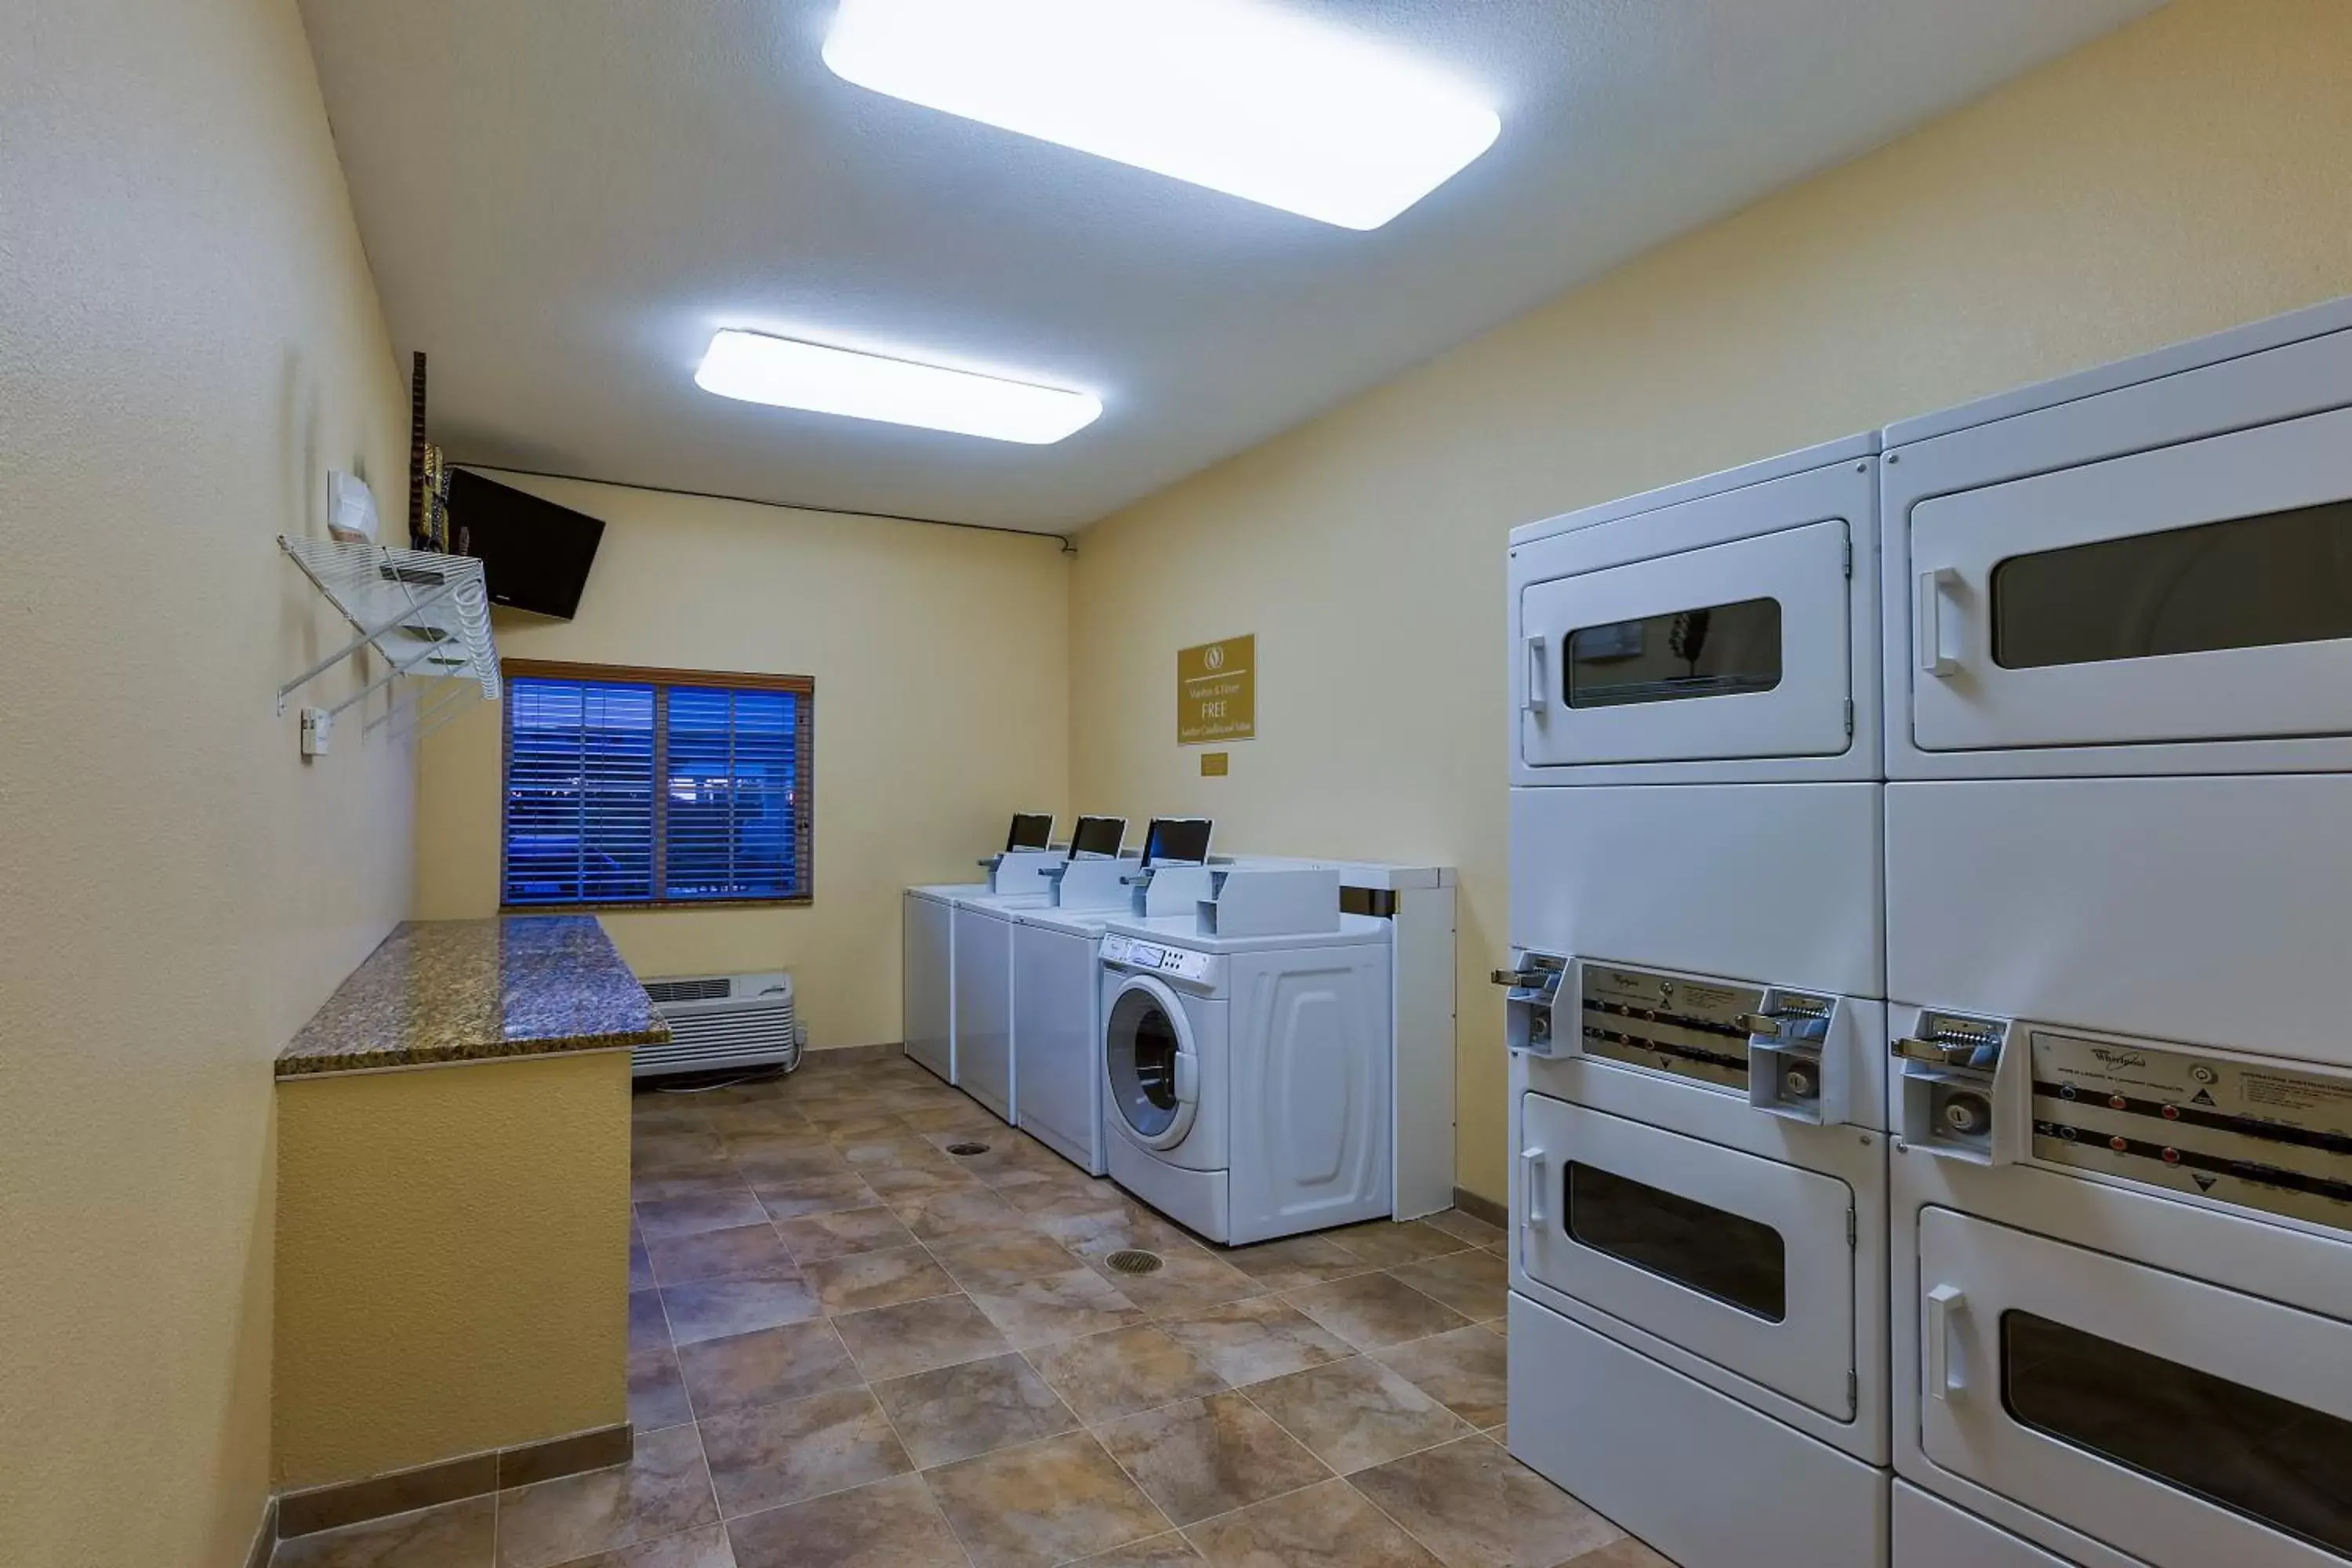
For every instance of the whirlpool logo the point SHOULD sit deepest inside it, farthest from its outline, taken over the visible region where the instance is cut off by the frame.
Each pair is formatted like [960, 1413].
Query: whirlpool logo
[2110, 1058]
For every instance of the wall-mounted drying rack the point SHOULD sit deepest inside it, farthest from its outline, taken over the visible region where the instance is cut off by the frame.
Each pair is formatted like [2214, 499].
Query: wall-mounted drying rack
[427, 615]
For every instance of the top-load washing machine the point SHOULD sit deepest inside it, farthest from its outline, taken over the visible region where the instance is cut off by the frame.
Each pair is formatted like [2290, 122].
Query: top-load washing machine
[2119, 846]
[981, 952]
[926, 983]
[1057, 979]
[1246, 1057]
[1697, 1092]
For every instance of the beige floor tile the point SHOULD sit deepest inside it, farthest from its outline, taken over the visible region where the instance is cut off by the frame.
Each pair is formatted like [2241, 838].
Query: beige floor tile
[1625, 1552]
[1043, 1503]
[814, 1194]
[1297, 1261]
[648, 1326]
[1477, 1283]
[905, 1147]
[1470, 1229]
[1104, 1376]
[864, 1280]
[1122, 1227]
[1208, 1456]
[916, 1336]
[1477, 1507]
[1388, 1243]
[1059, 1307]
[952, 1413]
[887, 1524]
[738, 1252]
[1248, 1342]
[840, 1232]
[955, 1113]
[714, 1210]
[704, 1547]
[641, 1262]
[663, 1490]
[766, 1367]
[999, 1263]
[857, 1125]
[1374, 1311]
[1185, 1281]
[715, 1309]
[1355, 1413]
[453, 1535]
[1063, 1207]
[657, 1391]
[790, 1159]
[771, 1454]
[892, 1182]
[1328, 1526]
[1466, 1370]
[1169, 1551]
[719, 1178]
[956, 1216]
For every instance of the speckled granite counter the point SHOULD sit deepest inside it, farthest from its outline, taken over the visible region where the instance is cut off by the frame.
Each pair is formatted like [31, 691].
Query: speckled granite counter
[462, 991]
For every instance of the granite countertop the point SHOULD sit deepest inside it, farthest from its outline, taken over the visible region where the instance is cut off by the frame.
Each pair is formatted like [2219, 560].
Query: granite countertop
[466, 991]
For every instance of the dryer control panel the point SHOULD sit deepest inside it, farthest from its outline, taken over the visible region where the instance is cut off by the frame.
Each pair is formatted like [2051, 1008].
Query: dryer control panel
[1175, 961]
[2267, 1136]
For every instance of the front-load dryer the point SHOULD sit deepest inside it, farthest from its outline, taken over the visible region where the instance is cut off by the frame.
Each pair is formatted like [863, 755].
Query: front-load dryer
[1245, 1078]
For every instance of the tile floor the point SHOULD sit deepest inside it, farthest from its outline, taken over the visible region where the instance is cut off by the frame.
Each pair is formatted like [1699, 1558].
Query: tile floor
[850, 1346]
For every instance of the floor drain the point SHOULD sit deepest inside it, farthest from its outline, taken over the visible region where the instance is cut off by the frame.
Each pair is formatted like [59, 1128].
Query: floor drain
[1134, 1260]
[967, 1147]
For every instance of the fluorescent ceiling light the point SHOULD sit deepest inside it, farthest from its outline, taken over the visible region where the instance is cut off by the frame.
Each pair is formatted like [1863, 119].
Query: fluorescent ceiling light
[788, 374]
[1232, 94]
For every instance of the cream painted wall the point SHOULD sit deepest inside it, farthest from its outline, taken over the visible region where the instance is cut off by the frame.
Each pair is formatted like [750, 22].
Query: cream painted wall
[189, 338]
[453, 1270]
[939, 657]
[2191, 172]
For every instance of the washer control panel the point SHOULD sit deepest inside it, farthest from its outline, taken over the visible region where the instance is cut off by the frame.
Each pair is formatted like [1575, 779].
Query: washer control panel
[1149, 955]
[1668, 1022]
[2269, 1136]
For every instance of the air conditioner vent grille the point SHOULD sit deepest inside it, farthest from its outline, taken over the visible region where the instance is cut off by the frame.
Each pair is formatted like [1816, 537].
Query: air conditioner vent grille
[720, 1022]
[704, 988]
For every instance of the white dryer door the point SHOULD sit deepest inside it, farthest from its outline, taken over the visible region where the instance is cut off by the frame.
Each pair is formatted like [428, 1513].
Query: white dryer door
[1734, 650]
[2188, 1425]
[1152, 1066]
[1741, 1260]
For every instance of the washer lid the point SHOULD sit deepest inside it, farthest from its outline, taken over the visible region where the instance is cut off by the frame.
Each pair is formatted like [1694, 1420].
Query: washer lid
[1184, 931]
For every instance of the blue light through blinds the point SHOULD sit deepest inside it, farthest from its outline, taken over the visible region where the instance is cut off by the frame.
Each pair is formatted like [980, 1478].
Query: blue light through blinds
[731, 784]
[579, 792]
[623, 793]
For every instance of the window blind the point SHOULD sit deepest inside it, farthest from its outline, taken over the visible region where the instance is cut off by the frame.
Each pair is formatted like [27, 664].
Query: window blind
[681, 789]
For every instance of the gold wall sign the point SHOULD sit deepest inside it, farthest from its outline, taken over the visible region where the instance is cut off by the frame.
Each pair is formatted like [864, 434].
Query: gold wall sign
[1216, 692]
[1216, 764]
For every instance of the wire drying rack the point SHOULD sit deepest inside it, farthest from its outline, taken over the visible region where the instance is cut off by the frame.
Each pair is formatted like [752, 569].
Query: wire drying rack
[426, 617]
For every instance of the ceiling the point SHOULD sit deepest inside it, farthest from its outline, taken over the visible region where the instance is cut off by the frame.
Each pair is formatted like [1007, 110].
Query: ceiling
[562, 203]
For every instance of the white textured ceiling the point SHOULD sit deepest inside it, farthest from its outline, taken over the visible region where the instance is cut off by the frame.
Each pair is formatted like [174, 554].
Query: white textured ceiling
[561, 202]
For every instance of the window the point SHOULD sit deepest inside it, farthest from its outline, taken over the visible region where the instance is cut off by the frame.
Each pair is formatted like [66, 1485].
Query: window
[1721, 650]
[655, 786]
[2249, 582]
[1726, 1256]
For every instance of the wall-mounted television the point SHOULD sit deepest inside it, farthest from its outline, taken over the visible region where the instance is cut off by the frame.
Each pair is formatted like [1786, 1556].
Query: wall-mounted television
[535, 554]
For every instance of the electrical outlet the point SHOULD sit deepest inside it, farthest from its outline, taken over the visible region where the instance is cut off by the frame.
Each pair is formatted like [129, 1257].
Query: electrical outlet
[318, 731]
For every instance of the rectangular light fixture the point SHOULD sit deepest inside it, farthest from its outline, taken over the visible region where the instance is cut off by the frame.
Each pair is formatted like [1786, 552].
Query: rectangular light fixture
[789, 374]
[1236, 95]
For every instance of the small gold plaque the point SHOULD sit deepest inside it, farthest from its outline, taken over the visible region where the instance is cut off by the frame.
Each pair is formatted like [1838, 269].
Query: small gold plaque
[1216, 692]
[1215, 764]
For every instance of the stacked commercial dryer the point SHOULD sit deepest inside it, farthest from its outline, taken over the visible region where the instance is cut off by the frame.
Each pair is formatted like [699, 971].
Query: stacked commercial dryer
[2118, 679]
[1698, 1316]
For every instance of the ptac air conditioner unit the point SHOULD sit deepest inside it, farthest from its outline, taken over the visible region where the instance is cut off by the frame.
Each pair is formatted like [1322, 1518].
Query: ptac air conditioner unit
[719, 1022]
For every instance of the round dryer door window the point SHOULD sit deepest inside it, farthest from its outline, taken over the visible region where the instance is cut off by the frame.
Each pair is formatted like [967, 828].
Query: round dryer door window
[1152, 1070]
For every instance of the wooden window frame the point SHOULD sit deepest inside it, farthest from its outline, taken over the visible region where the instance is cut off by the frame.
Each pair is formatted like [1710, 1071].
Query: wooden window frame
[663, 677]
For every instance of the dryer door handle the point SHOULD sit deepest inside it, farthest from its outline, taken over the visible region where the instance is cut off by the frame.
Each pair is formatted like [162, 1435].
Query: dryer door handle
[1945, 1302]
[1532, 698]
[1531, 1166]
[1188, 1078]
[1935, 657]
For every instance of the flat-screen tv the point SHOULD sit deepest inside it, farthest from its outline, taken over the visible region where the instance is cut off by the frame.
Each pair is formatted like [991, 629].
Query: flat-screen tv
[535, 554]
[1029, 830]
[1098, 837]
[1183, 841]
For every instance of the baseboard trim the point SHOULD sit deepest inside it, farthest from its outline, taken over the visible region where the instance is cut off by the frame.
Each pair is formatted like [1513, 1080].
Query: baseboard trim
[849, 1056]
[265, 1540]
[1476, 1207]
[314, 1508]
